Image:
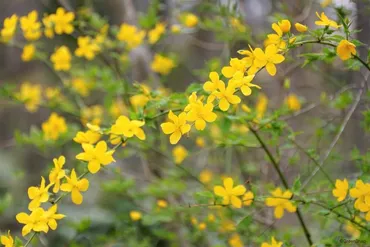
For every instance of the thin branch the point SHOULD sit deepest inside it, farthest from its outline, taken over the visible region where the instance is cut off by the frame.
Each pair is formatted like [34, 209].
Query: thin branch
[338, 135]
[283, 180]
[30, 239]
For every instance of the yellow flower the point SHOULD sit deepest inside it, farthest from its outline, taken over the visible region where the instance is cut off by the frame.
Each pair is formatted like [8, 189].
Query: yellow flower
[128, 128]
[135, 215]
[193, 220]
[243, 82]
[31, 26]
[211, 218]
[92, 114]
[53, 93]
[48, 21]
[292, 40]
[276, 39]
[179, 153]
[38, 195]
[162, 203]
[251, 60]
[325, 3]
[162, 65]
[246, 108]
[176, 127]
[63, 21]
[346, 49]
[200, 114]
[81, 87]
[353, 229]
[362, 194]
[225, 96]
[57, 173]
[213, 84]
[156, 33]
[7, 241]
[96, 156]
[92, 127]
[190, 20]
[325, 21]
[28, 52]
[235, 241]
[300, 27]
[10, 26]
[281, 201]
[261, 105]
[132, 36]
[61, 59]
[235, 23]
[30, 95]
[200, 142]
[202, 226]
[117, 108]
[139, 100]
[175, 29]
[205, 176]
[86, 48]
[50, 217]
[292, 102]
[75, 186]
[284, 25]
[33, 222]
[248, 198]
[235, 66]
[54, 127]
[274, 243]
[194, 102]
[90, 137]
[229, 193]
[269, 58]
[227, 226]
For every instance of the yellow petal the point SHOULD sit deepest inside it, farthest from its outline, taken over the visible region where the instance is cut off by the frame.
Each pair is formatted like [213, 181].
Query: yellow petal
[168, 128]
[228, 71]
[93, 166]
[236, 202]
[219, 191]
[76, 197]
[271, 69]
[278, 212]
[246, 90]
[23, 218]
[200, 124]
[33, 192]
[228, 184]
[26, 229]
[224, 104]
[175, 137]
[83, 184]
[238, 190]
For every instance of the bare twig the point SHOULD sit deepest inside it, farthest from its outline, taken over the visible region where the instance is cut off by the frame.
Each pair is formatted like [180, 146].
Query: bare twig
[338, 135]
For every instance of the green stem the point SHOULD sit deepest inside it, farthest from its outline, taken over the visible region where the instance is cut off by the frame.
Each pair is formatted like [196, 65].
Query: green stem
[30, 239]
[283, 180]
[332, 45]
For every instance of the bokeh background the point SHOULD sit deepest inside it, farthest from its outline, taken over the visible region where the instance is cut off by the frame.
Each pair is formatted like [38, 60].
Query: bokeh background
[21, 166]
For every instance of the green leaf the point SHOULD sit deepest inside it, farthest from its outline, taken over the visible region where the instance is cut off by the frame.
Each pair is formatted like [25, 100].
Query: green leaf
[296, 185]
[203, 196]
[18, 242]
[194, 87]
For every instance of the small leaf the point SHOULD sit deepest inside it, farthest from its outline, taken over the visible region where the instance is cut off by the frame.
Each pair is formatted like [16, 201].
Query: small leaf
[297, 185]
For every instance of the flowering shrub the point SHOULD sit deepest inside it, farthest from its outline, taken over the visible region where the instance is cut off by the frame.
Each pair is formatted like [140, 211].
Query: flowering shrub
[222, 116]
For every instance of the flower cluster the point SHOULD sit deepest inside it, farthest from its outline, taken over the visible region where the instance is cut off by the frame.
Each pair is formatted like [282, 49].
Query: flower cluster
[222, 92]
